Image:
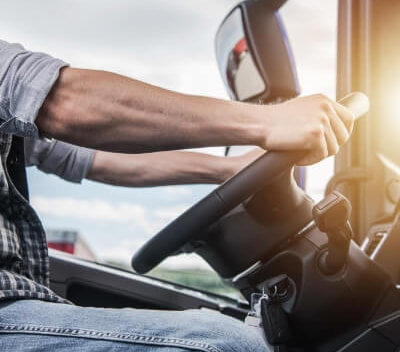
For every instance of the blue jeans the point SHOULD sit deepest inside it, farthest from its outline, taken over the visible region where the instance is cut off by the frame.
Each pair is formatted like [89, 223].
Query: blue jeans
[32, 325]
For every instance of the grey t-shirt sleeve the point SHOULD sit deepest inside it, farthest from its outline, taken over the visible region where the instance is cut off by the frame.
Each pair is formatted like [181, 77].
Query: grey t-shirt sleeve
[26, 78]
[68, 161]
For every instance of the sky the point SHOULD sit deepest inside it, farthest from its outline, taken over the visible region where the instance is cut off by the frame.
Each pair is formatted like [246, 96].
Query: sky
[169, 43]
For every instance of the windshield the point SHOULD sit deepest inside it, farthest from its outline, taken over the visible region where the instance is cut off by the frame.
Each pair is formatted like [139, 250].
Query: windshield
[168, 43]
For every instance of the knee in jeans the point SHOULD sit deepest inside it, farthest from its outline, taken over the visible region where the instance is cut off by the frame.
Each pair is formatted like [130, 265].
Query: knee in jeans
[226, 333]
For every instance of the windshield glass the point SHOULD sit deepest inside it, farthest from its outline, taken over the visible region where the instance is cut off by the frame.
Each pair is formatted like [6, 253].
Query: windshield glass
[168, 43]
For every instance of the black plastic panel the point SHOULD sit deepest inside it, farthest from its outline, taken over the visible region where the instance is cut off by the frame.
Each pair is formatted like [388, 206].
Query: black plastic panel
[82, 281]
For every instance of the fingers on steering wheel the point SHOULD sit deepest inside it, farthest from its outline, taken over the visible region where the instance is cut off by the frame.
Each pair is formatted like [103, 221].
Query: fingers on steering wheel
[317, 150]
[332, 144]
[338, 127]
[345, 115]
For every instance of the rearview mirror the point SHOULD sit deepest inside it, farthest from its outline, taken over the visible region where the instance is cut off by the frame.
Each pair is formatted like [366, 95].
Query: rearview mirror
[253, 53]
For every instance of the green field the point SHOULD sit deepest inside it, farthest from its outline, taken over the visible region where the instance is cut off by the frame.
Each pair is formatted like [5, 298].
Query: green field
[196, 278]
[201, 279]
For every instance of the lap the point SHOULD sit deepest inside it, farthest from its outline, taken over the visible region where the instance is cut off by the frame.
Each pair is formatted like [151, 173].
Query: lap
[32, 325]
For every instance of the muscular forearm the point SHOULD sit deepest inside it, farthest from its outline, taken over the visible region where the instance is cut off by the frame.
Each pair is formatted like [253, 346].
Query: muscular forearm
[161, 168]
[110, 112]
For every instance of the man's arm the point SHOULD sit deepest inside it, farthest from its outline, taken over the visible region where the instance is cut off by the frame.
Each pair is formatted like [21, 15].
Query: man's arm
[102, 110]
[74, 163]
[165, 168]
[110, 112]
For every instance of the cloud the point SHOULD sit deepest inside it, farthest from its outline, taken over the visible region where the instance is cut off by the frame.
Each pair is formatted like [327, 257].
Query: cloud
[121, 249]
[168, 43]
[95, 209]
[124, 250]
[177, 193]
[187, 261]
[141, 29]
[149, 221]
[169, 213]
[178, 190]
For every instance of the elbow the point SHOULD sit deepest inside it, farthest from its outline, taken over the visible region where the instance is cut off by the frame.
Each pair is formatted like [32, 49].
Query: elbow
[56, 115]
[52, 122]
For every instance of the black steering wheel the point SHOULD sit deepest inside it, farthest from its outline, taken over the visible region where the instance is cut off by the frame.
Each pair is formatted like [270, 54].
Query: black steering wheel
[191, 224]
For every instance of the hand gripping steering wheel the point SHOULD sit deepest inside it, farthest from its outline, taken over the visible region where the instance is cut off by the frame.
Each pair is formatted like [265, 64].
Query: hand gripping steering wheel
[191, 224]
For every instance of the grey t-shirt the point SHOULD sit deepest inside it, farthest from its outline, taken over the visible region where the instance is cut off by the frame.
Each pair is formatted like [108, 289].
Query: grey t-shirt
[25, 80]
[68, 161]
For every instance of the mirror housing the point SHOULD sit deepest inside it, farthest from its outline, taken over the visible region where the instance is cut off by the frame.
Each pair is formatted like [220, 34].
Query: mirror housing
[253, 53]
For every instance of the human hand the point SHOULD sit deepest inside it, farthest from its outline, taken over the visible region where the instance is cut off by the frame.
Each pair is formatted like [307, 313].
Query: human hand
[315, 124]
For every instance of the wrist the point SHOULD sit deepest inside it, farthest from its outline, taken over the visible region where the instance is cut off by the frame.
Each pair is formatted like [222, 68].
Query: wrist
[256, 127]
[222, 169]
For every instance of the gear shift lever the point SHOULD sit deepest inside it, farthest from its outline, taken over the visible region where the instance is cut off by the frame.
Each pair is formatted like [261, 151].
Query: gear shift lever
[332, 216]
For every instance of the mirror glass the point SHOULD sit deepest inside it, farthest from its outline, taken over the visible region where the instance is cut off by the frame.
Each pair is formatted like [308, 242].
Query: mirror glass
[239, 71]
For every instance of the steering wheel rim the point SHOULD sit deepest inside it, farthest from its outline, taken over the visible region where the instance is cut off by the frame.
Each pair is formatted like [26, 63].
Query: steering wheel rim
[190, 225]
